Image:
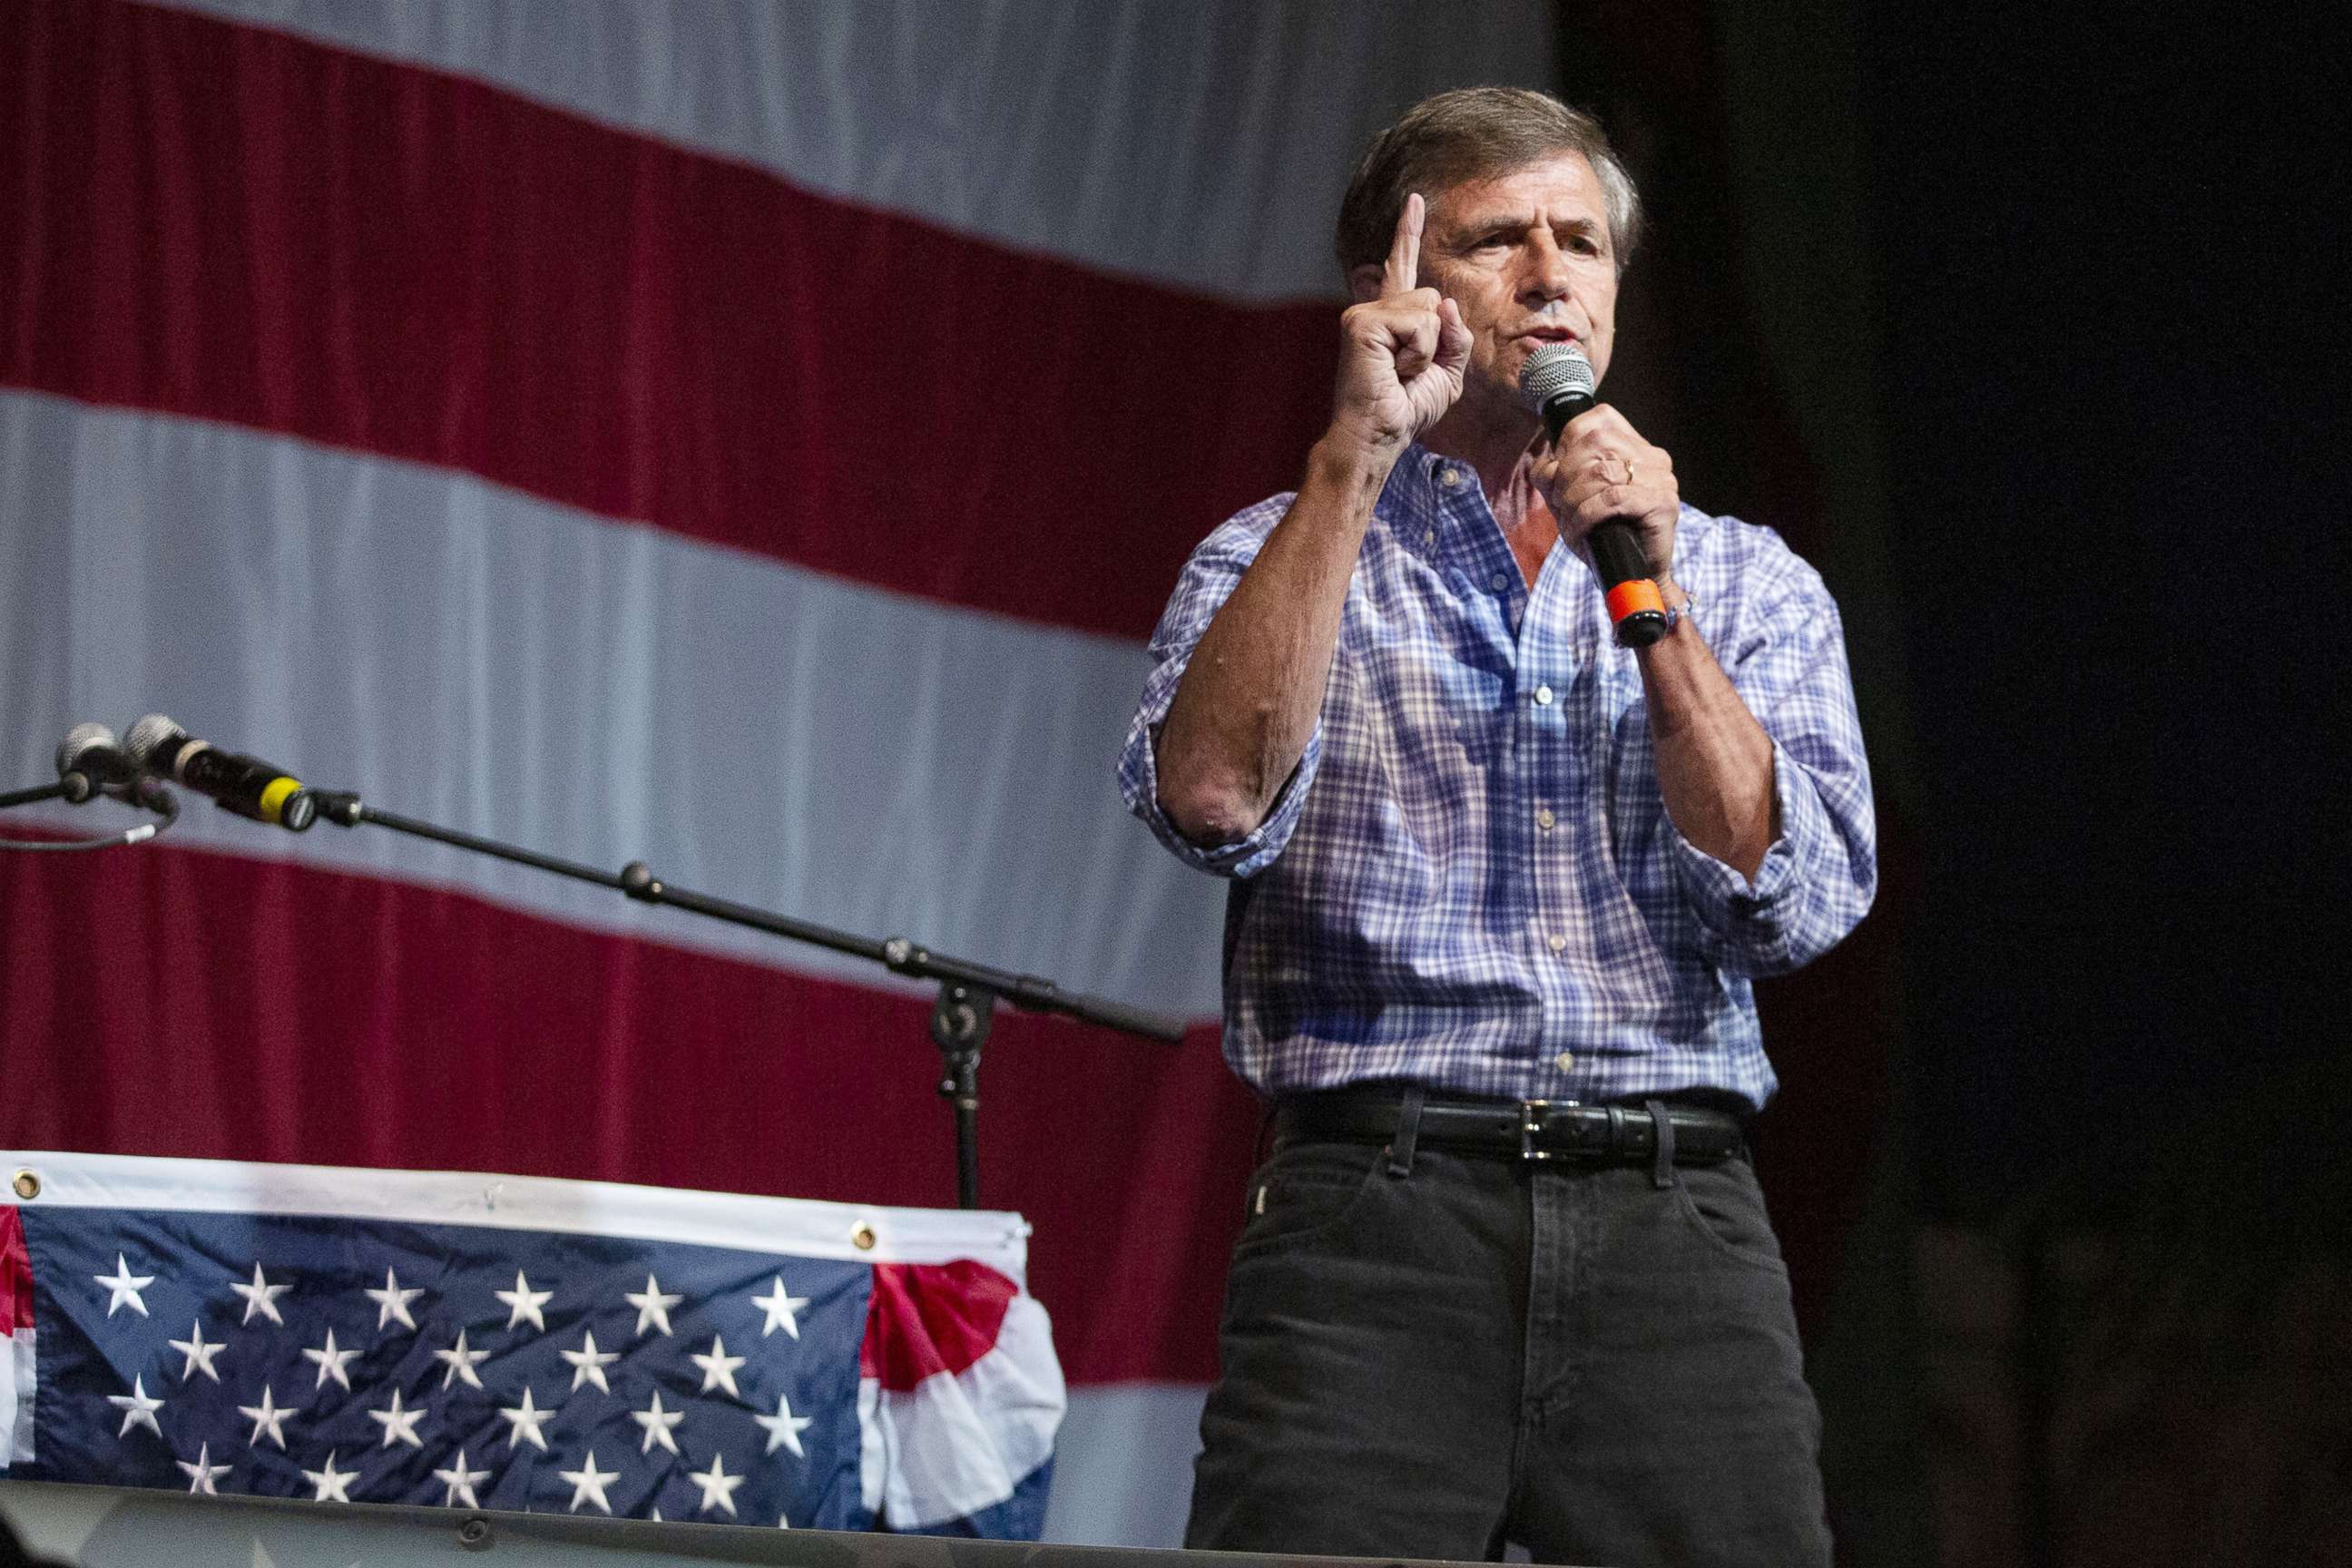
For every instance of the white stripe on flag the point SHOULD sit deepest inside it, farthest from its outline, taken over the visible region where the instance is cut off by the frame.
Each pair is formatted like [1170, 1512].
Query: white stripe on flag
[18, 1379]
[1173, 142]
[1123, 1472]
[599, 692]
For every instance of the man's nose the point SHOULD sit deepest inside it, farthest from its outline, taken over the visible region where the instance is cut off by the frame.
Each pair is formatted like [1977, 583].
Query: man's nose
[1547, 276]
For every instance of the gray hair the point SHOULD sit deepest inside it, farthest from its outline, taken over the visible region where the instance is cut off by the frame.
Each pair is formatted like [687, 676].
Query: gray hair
[1471, 134]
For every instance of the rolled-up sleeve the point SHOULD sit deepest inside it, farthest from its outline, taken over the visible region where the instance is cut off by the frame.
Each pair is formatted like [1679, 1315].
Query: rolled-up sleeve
[1208, 580]
[1820, 874]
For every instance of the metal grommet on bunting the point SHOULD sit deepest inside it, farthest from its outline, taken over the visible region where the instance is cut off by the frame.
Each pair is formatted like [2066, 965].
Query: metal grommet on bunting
[862, 1237]
[26, 1183]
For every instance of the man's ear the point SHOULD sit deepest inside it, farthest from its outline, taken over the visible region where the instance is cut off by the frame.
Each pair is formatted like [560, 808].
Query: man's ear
[1364, 282]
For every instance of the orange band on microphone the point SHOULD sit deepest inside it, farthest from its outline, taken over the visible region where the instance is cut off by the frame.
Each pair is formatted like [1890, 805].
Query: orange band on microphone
[1633, 596]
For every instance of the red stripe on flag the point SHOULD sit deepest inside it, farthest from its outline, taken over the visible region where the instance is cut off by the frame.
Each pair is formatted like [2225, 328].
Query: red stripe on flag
[228, 223]
[191, 1003]
[15, 1274]
[927, 1319]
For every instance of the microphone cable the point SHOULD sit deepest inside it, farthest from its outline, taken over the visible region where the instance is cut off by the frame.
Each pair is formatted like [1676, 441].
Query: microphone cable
[152, 797]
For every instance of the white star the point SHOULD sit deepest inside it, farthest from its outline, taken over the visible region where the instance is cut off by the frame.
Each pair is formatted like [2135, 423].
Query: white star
[123, 1288]
[717, 1486]
[330, 1363]
[392, 1301]
[526, 1418]
[334, 1485]
[266, 1417]
[719, 1367]
[779, 1309]
[588, 1363]
[657, 1423]
[652, 1305]
[200, 1354]
[526, 1304]
[784, 1428]
[138, 1410]
[399, 1425]
[460, 1482]
[261, 1297]
[202, 1474]
[461, 1363]
[588, 1484]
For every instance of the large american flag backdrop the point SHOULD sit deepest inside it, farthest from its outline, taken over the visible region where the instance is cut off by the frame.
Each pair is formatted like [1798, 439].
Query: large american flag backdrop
[753, 438]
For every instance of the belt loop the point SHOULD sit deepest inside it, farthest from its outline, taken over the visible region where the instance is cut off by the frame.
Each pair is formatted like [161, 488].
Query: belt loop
[1408, 1133]
[1662, 1173]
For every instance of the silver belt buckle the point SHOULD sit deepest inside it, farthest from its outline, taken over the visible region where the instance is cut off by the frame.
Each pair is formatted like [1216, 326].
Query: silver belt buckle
[1532, 1114]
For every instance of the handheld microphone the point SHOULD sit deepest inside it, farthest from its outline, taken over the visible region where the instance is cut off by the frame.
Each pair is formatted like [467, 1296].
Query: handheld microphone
[246, 786]
[1558, 382]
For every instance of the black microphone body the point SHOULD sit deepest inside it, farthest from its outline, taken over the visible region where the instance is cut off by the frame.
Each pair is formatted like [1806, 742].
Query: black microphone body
[248, 786]
[1559, 381]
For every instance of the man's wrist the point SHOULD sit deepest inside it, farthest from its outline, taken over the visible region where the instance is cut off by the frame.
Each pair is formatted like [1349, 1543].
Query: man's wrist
[1675, 601]
[1350, 457]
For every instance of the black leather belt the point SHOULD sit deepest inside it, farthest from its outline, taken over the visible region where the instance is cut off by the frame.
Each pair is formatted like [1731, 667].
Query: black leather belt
[1518, 1129]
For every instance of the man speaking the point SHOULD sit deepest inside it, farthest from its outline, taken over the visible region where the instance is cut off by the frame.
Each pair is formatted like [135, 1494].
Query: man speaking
[1499, 888]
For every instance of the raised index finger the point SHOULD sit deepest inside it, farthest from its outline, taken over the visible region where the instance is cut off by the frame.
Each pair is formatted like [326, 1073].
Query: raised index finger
[1403, 273]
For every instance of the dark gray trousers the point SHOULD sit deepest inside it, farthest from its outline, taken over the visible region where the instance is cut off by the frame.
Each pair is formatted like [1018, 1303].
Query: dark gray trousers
[1484, 1350]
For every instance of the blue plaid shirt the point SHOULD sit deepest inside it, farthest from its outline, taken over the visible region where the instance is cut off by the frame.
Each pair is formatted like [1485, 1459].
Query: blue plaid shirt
[1470, 880]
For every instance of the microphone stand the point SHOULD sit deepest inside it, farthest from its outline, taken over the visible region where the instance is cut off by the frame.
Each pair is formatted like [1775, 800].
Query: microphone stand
[962, 1013]
[29, 795]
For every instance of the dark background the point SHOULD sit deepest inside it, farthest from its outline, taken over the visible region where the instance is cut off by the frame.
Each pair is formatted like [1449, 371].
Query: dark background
[2019, 322]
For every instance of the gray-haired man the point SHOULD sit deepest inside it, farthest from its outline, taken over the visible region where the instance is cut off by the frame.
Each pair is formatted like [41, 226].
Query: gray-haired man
[1499, 889]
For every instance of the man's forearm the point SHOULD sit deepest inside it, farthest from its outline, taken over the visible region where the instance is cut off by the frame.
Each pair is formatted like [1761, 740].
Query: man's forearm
[1715, 761]
[1247, 704]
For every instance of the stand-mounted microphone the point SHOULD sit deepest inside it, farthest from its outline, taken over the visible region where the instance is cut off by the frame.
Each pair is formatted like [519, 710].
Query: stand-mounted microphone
[90, 759]
[246, 786]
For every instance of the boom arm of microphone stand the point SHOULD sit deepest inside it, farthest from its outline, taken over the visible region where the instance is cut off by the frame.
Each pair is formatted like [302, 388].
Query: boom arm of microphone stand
[968, 990]
[1029, 992]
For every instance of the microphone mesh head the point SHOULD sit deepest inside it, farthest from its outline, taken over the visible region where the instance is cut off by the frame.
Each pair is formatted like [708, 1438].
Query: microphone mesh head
[150, 736]
[81, 738]
[1553, 370]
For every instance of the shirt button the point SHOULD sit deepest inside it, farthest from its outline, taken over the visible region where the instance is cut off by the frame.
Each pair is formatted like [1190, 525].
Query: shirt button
[1544, 818]
[1429, 536]
[1449, 476]
[1543, 696]
[1558, 942]
[1498, 581]
[1565, 1062]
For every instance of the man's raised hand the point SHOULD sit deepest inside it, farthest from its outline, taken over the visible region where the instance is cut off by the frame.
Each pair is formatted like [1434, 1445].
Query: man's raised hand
[1403, 353]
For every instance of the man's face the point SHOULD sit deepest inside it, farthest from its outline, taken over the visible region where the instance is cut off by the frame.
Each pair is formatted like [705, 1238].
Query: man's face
[1529, 259]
